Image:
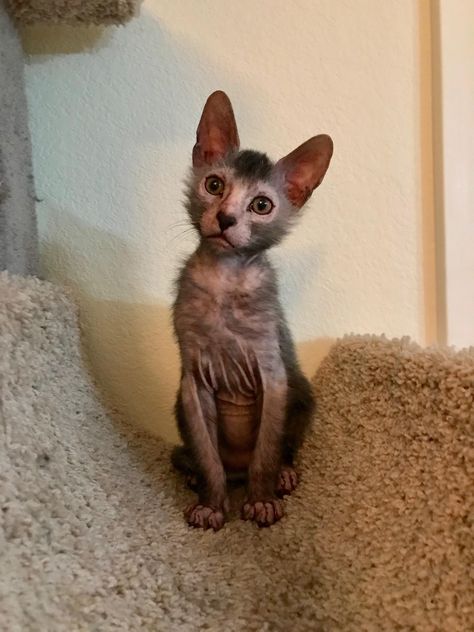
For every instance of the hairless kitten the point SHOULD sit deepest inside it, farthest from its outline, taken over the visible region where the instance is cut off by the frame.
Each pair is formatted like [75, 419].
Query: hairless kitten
[243, 404]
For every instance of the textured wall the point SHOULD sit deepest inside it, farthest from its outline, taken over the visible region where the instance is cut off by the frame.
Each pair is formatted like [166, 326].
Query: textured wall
[113, 117]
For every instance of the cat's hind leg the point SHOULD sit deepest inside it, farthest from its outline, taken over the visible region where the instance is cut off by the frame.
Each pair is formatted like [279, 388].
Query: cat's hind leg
[183, 460]
[300, 410]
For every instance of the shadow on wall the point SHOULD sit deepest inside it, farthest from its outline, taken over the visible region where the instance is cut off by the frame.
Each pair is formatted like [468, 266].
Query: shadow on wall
[130, 345]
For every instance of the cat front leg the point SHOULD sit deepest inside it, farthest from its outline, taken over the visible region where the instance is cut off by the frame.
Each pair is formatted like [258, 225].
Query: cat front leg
[201, 429]
[262, 504]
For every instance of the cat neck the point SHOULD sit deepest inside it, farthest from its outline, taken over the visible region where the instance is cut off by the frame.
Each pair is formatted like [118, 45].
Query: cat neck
[237, 259]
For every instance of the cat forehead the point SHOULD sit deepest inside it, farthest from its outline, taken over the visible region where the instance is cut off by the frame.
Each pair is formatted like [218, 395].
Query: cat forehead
[247, 166]
[251, 165]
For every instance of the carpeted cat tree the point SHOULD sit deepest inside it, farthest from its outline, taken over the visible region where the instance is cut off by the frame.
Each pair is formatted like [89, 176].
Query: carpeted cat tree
[379, 536]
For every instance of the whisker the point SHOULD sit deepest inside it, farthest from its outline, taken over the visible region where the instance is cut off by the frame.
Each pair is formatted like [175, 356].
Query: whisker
[182, 222]
[181, 234]
[177, 227]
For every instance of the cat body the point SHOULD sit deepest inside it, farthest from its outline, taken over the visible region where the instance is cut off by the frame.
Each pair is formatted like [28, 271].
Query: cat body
[243, 405]
[227, 325]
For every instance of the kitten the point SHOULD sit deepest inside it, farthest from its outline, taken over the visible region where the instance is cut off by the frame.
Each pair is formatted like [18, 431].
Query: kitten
[243, 404]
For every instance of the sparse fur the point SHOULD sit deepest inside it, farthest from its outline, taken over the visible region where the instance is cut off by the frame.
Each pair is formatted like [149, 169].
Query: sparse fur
[243, 405]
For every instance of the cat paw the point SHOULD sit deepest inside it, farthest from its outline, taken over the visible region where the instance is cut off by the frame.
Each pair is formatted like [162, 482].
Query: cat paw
[204, 517]
[287, 481]
[263, 512]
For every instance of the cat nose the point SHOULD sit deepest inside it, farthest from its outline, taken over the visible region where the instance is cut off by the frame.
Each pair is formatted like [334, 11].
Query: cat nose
[225, 221]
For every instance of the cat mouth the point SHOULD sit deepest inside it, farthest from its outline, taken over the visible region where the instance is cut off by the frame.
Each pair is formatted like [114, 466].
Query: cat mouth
[221, 240]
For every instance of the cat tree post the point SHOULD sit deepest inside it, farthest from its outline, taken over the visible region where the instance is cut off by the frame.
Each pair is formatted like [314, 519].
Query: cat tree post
[18, 233]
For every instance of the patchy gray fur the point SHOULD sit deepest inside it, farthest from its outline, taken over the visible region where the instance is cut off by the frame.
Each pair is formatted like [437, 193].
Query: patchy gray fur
[243, 405]
[252, 165]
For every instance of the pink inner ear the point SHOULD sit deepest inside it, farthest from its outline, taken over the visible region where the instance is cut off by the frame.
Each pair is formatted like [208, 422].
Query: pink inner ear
[212, 149]
[217, 131]
[300, 184]
[305, 167]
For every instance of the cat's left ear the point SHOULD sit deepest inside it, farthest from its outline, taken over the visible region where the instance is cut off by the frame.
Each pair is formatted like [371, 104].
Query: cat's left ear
[217, 131]
[304, 168]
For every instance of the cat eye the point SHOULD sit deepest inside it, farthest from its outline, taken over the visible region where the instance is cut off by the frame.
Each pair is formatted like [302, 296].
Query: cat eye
[214, 185]
[261, 205]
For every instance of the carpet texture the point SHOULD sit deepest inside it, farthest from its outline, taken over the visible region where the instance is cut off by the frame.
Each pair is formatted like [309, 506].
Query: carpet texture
[377, 537]
[73, 11]
[18, 234]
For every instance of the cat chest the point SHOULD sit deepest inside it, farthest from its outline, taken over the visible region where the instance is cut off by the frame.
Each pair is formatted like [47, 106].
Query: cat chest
[226, 326]
[220, 320]
[219, 307]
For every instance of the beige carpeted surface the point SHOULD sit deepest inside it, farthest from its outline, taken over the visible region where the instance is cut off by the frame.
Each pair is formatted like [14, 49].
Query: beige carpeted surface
[379, 536]
[73, 11]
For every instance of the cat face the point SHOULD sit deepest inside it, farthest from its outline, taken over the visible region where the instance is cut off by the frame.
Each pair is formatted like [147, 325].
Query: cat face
[239, 201]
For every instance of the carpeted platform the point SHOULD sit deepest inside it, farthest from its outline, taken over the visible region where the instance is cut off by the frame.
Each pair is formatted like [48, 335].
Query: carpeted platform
[379, 536]
[73, 11]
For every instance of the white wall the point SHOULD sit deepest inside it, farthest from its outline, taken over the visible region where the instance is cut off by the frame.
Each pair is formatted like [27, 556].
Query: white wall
[113, 117]
[455, 156]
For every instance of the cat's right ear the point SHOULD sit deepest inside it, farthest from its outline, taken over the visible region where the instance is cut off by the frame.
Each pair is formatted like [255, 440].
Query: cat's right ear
[217, 131]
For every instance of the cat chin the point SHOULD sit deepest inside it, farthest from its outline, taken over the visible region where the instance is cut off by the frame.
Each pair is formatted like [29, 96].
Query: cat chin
[219, 242]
